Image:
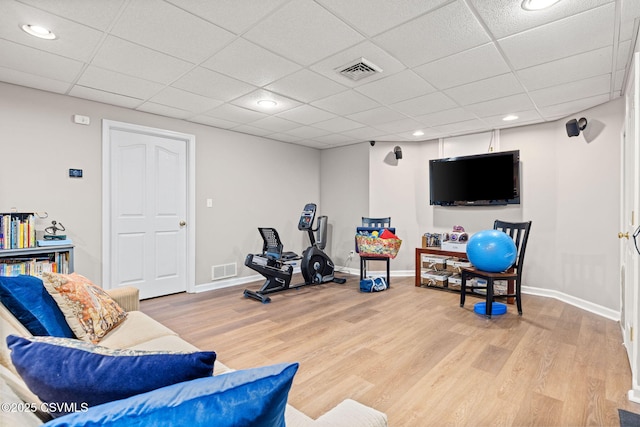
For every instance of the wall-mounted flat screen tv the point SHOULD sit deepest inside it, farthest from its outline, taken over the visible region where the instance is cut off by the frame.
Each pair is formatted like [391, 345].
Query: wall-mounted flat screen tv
[479, 180]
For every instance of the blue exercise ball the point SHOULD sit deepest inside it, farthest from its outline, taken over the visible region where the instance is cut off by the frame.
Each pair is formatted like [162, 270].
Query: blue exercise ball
[491, 250]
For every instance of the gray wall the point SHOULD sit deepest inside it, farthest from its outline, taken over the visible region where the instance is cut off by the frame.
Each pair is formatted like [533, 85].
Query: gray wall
[253, 181]
[570, 189]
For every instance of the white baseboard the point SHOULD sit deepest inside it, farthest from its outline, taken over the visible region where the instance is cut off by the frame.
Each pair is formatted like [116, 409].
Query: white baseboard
[549, 293]
[634, 395]
[575, 301]
[233, 281]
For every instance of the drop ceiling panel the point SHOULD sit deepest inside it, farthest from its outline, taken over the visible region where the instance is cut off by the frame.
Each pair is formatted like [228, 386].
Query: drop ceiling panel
[573, 91]
[460, 128]
[135, 60]
[346, 103]
[307, 132]
[213, 85]
[106, 97]
[195, 104]
[376, 116]
[444, 117]
[233, 15]
[294, 29]
[576, 34]
[250, 63]
[213, 121]
[164, 110]
[502, 106]
[306, 86]
[425, 104]
[400, 126]
[98, 15]
[566, 70]
[338, 124]
[403, 85]
[306, 114]
[524, 117]
[110, 81]
[252, 130]
[235, 114]
[275, 124]
[558, 111]
[375, 16]
[484, 90]
[506, 17]
[464, 67]
[76, 42]
[161, 26]
[33, 61]
[420, 40]
[30, 80]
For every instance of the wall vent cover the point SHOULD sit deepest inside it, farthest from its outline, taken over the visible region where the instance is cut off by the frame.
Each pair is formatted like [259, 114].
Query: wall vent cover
[224, 271]
[359, 69]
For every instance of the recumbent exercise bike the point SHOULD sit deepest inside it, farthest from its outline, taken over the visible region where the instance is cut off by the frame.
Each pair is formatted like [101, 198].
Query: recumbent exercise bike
[276, 265]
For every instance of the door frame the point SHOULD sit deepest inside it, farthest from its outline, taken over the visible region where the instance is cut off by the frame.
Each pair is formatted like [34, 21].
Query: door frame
[107, 127]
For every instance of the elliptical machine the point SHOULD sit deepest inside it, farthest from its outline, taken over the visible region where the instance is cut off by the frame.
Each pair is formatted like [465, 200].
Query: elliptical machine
[276, 265]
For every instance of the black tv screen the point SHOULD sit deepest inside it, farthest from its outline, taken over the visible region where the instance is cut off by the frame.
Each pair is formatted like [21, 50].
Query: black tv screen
[479, 180]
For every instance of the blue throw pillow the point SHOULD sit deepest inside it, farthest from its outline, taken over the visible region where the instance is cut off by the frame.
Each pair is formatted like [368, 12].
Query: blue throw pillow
[27, 299]
[252, 397]
[77, 374]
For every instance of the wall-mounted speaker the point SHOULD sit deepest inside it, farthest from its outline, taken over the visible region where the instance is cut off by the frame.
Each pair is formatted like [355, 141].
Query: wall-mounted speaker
[398, 152]
[575, 126]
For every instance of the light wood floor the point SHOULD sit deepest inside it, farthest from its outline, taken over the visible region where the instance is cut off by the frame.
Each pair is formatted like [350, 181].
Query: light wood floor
[414, 354]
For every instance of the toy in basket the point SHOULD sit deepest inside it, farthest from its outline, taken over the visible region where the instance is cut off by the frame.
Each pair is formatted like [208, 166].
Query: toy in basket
[383, 244]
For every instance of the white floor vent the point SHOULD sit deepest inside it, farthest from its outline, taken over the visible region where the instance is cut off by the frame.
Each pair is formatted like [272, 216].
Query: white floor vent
[359, 69]
[223, 271]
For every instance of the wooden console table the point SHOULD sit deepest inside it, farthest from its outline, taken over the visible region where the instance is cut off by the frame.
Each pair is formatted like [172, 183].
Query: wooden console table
[459, 255]
[433, 251]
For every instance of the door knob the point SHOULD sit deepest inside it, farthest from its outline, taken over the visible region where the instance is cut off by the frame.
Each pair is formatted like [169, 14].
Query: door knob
[621, 235]
[183, 223]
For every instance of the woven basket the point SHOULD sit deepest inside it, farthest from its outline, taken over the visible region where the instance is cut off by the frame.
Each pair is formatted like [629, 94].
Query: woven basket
[377, 247]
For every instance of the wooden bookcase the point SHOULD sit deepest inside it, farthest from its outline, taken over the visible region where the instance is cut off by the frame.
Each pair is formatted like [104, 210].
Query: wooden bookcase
[34, 261]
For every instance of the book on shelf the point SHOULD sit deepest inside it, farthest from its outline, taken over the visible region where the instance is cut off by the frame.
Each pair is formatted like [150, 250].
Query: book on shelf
[58, 263]
[62, 242]
[17, 230]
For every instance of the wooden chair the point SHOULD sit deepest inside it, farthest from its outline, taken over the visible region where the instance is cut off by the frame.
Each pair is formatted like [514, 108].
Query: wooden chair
[374, 223]
[519, 232]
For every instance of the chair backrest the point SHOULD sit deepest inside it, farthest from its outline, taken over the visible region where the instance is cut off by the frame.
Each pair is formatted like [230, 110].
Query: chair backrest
[519, 232]
[271, 244]
[376, 222]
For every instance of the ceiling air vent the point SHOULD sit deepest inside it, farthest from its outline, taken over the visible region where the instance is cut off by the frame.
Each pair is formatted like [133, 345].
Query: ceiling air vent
[359, 69]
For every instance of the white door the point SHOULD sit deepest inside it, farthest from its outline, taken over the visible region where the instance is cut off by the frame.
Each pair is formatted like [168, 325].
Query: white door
[630, 194]
[147, 210]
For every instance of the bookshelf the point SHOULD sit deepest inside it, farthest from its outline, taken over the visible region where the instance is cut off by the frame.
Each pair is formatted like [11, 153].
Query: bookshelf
[35, 261]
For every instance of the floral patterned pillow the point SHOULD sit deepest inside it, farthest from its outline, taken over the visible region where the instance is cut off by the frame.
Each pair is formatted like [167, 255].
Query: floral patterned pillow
[90, 312]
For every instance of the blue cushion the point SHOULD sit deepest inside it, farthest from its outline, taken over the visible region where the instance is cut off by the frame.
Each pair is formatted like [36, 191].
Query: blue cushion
[74, 372]
[27, 299]
[252, 397]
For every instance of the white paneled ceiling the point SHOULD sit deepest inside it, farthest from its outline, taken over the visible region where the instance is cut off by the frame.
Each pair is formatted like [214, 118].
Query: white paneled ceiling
[449, 67]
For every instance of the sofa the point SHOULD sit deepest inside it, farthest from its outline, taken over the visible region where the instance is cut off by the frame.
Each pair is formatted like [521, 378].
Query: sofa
[140, 332]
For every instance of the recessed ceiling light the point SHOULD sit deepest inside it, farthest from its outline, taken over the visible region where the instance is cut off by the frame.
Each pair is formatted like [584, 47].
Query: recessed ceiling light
[38, 31]
[418, 133]
[267, 103]
[538, 4]
[510, 117]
